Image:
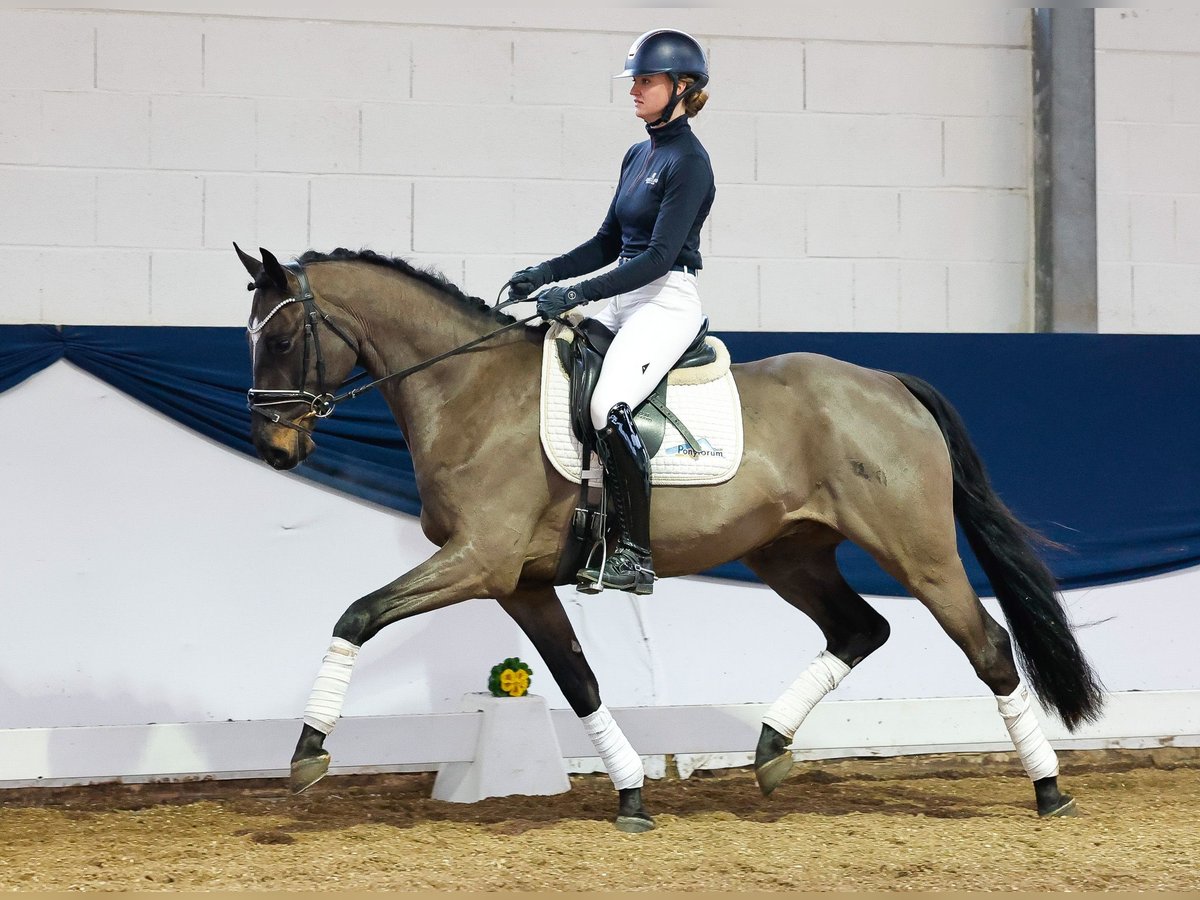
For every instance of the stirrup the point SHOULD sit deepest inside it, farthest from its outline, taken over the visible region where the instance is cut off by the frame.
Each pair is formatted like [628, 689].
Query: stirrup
[625, 570]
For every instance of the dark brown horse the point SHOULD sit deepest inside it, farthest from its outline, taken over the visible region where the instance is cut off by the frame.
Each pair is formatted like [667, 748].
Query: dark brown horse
[833, 452]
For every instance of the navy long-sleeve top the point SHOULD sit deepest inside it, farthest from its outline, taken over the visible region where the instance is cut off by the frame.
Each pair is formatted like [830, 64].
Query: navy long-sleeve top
[663, 197]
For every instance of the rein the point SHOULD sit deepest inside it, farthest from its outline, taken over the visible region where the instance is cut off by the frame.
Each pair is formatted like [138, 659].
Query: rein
[323, 403]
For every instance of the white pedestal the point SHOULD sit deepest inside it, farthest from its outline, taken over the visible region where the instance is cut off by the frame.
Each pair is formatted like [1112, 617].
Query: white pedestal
[517, 753]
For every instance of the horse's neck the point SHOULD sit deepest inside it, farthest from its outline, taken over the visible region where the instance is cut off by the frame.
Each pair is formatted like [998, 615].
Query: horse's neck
[401, 321]
[410, 322]
[414, 323]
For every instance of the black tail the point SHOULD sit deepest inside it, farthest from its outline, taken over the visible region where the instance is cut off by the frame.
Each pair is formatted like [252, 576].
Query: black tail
[1026, 589]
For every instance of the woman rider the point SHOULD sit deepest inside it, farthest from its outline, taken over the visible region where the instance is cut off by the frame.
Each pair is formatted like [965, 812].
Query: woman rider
[652, 230]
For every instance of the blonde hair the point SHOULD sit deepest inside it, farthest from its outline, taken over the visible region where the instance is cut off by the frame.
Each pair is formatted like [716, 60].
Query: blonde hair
[693, 103]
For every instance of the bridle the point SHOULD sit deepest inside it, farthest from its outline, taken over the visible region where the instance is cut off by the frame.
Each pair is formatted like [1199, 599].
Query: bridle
[322, 403]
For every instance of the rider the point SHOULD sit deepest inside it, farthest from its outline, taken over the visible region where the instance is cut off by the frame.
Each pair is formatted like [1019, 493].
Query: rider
[652, 230]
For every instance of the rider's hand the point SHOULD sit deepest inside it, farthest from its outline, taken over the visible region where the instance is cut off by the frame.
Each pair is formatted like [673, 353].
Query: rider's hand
[526, 281]
[557, 300]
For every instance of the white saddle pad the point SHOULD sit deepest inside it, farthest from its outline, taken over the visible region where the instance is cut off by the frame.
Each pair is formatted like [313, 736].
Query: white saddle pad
[705, 399]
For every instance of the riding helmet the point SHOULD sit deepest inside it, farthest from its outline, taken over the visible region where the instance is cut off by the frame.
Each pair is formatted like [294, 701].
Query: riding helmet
[668, 51]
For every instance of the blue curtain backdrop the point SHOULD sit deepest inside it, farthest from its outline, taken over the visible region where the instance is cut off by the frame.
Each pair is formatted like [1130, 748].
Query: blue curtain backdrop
[1092, 439]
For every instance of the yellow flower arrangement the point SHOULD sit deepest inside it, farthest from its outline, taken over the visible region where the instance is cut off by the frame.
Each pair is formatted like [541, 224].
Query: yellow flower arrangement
[510, 678]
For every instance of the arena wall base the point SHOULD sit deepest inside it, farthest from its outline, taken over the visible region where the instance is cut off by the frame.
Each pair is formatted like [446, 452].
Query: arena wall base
[701, 736]
[517, 752]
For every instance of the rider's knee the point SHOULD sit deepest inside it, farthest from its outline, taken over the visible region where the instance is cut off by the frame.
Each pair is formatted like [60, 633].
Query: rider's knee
[599, 410]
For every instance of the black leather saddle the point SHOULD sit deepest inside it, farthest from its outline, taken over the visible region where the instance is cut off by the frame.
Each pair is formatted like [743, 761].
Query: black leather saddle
[582, 359]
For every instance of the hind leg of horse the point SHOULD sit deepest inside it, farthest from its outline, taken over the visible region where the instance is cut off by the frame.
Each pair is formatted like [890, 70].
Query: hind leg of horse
[943, 587]
[453, 574]
[808, 578]
[540, 614]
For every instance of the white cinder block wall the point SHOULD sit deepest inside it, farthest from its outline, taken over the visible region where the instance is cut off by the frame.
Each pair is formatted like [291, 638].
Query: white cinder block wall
[1148, 169]
[873, 165]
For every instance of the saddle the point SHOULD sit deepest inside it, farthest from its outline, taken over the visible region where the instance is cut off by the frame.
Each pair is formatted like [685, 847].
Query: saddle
[582, 359]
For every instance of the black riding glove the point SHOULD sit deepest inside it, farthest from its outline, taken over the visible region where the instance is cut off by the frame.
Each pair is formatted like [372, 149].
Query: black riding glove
[526, 281]
[557, 300]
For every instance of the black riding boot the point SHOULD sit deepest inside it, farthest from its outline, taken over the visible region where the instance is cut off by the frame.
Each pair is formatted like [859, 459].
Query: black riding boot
[627, 473]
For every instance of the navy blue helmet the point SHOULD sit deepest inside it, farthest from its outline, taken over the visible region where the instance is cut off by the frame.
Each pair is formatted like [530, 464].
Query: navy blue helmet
[671, 52]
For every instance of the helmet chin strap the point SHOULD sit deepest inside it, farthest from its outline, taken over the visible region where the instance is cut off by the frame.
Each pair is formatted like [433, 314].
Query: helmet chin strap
[674, 101]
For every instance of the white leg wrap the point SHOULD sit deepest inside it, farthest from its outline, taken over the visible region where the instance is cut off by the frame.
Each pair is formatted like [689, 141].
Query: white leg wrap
[1037, 756]
[623, 764]
[329, 690]
[822, 676]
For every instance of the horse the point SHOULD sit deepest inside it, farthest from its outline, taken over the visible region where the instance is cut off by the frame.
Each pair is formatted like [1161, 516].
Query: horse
[833, 452]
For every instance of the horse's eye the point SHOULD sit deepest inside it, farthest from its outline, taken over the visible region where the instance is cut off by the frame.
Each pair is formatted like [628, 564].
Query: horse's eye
[280, 345]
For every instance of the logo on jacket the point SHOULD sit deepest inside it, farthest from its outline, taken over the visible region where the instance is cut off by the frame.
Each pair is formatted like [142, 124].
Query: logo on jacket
[653, 179]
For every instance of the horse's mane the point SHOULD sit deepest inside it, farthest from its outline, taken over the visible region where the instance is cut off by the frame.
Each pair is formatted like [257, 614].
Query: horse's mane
[433, 278]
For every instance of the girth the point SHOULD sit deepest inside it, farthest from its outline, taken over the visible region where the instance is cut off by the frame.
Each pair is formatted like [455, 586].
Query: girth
[582, 359]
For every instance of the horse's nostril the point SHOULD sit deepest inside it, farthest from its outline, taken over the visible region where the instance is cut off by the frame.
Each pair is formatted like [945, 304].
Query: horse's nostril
[276, 457]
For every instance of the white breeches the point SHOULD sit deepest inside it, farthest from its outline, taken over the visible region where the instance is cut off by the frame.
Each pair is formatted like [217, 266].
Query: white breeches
[654, 325]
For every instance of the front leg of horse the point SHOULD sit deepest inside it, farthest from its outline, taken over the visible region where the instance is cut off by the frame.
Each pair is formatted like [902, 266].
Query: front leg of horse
[449, 576]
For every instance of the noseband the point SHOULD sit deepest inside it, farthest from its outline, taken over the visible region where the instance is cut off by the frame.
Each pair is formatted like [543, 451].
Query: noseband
[322, 403]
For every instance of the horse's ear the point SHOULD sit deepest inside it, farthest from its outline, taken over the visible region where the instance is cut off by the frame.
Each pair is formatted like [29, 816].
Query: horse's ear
[274, 270]
[253, 266]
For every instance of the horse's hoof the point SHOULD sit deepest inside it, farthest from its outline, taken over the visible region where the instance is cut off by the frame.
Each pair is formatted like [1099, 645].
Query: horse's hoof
[771, 773]
[634, 824]
[308, 771]
[1064, 810]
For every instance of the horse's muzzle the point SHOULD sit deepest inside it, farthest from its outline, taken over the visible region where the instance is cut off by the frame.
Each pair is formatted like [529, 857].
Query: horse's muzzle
[280, 446]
